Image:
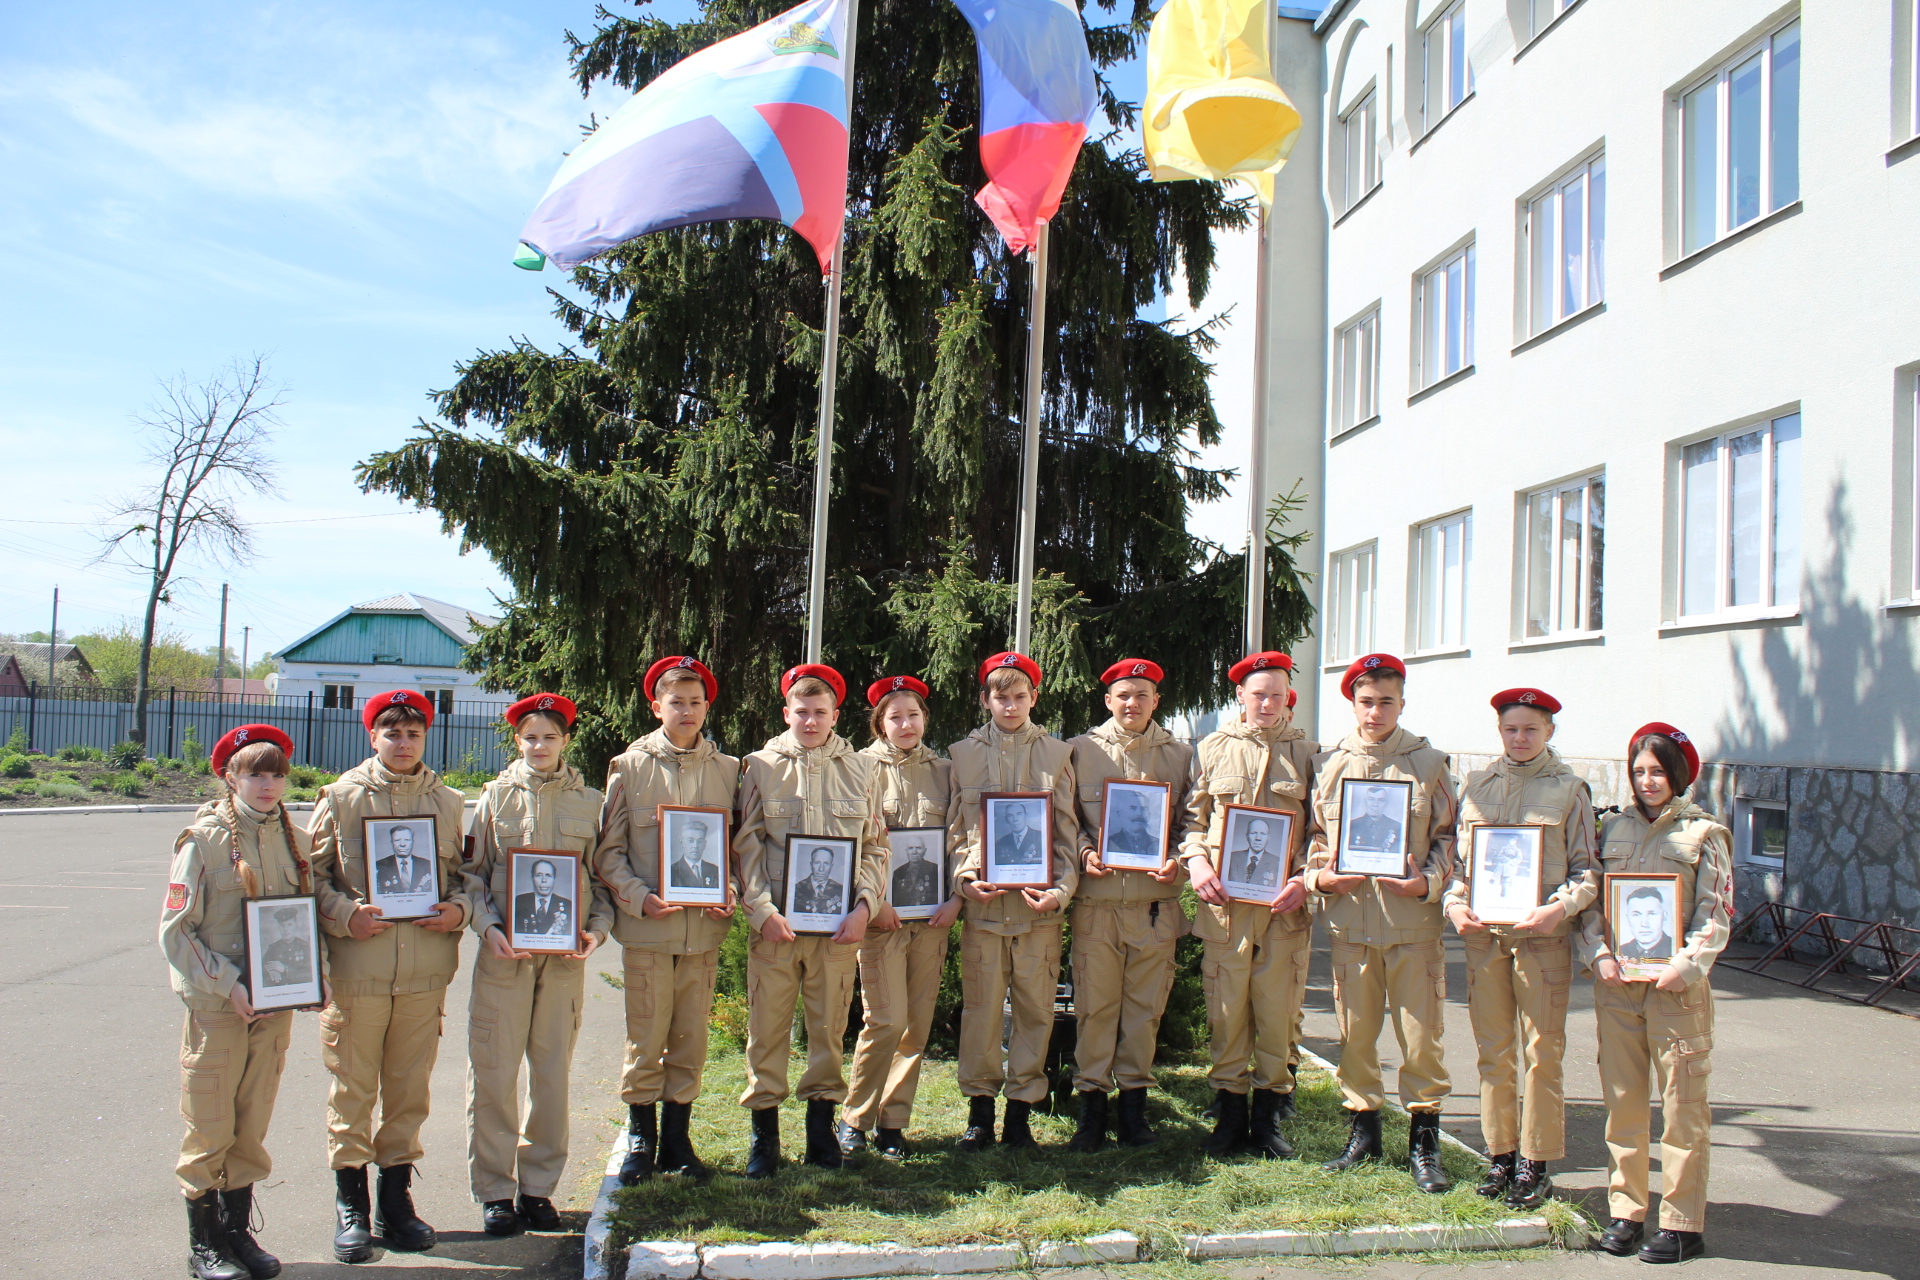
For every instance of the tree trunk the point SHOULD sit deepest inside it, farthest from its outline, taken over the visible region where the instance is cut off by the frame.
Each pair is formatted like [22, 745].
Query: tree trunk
[139, 733]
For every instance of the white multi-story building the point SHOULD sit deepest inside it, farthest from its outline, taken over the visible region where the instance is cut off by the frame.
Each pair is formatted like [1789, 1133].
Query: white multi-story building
[1621, 341]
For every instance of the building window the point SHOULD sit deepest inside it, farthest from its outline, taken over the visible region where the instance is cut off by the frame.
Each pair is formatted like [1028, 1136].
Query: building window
[336, 695]
[1443, 313]
[1543, 12]
[442, 700]
[1740, 520]
[1563, 557]
[1760, 833]
[1356, 389]
[1441, 549]
[1349, 604]
[1357, 152]
[1449, 77]
[1566, 235]
[1740, 140]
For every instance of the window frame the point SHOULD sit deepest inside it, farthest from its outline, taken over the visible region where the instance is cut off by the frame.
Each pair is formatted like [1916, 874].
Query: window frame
[1558, 10]
[1452, 21]
[1724, 610]
[1744, 808]
[1463, 253]
[1523, 557]
[336, 696]
[1368, 372]
[1341, 647]
[441, 696]
[1720, 78]
[1418, 593]
[1593, 265]
[1367, 108]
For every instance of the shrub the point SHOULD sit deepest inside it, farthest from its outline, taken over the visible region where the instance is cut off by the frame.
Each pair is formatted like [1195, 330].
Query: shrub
[190, 749]
[126, 755]
[17, 740]
[61, 791]
[16, 767]
[730, 1020]
[79, 754]
[147, 768]
[25, 789]
[101, 782]
[128, 784]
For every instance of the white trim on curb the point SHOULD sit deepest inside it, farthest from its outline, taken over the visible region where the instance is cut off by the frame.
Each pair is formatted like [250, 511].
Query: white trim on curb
[1513, 1233]
[597, 1263]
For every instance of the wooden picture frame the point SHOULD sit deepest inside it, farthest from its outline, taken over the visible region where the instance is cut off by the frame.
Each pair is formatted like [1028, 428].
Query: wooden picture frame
[400, 896]
[816, 903]
[701, 880]
[544, 920]
[1260, 875]
[1374, 816]
[1154, 805]
[1637, 955]
[1506, 870]
[1008, 859]
[906, 883]
[281, 950]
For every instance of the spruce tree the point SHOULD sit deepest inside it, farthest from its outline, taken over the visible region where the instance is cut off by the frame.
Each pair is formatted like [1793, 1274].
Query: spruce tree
[647, 489]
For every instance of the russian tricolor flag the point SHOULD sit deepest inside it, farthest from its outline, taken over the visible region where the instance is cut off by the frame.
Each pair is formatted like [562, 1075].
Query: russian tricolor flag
[1037, 95]
[752, 127]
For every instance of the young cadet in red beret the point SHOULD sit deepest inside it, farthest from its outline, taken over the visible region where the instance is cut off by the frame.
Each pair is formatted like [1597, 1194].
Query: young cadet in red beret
[526, 1005]
[670, 954]
[1010, 945]
[1255, 962]
[241, 847]
[900, 960]
[380, 1033]
[1388, 954]
[809, 781]
[1125, 923]
[1521, 973]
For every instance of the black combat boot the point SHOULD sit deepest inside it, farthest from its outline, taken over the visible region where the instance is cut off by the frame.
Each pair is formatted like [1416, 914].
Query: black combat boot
[393, 1217]
[1363, 1142]
[852, 1141]
[352, 1241]
[1263, 1126]
[1531, 1186]
[207, 1256]
[1091, 1135]
[1499, 1177]
[539, 1214]
[241, 1246]
[1286, 1109]
[1229, 1125]
[1014, 1132]
[1423, 1153]
[643, 1139]
[497, 1218]
[1620, 1238]
[763, 1148]
[676, 1142]
[1673, 1246]
[979, 1133]
[890, 1144]
[1130, 1120]
[823, 1146]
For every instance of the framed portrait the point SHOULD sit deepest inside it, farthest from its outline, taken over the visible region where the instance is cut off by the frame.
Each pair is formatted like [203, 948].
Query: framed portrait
[820, 885]
[1505, 868]
[403, 865]
[1643, 922]
[1256, 853]
[1374, 815]
[282, 953]
[1017, 830]
[917, 871]
[1135, 819]
[545, 916]
[693, 856]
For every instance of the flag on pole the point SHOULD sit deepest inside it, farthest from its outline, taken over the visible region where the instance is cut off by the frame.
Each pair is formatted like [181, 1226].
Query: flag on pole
[1037, 95]
[752, 127]
[1213, 110]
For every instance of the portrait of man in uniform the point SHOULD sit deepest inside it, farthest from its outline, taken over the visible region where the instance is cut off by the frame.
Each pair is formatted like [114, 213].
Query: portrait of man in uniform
[542, 911]
[1643, 917]
[1255, 847]
[1648, 910]
[1504, 880]
[404, 869]
[1373, 826]
[1016, 829]
[288, 954]
[819, 894]
[1254, 862]
[1373, 830]
[916, 875]
[281, 937]
[1133, 825]
[819, 879]
[693, 856]
[403, 877]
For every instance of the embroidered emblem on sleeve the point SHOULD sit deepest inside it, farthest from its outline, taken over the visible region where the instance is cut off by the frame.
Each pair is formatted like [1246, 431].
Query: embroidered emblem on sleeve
[176, 897]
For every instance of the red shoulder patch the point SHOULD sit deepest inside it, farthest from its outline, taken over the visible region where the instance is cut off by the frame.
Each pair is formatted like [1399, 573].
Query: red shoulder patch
[176, 897]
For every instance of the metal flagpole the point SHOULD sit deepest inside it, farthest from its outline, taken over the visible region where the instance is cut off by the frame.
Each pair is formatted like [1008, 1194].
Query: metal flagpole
[829, 368]
[1030, 444]
[1257, 459]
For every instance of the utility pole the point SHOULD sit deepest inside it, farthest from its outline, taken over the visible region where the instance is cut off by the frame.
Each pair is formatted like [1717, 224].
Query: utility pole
[53, 641]
[246, 636]
[220, 662]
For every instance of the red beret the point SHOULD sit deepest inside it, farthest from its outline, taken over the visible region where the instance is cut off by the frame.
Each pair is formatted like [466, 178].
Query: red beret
[1020, 660]
[395, 698]
[1372, 662]
[694, 665]
[1133, 669]
[894, 684]
[245, 736]
[1268, 660]
[819, 671]
[1293, 697]
[1538, 699]
[1685, 744]
[542, 702]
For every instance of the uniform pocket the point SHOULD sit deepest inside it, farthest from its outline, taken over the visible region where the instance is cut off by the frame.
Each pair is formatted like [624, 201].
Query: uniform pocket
[1692, 1067]
[333, 1027]
[1226, 785]
[845, 809]
[1288, 788]
[575, 835]
[201, 1097]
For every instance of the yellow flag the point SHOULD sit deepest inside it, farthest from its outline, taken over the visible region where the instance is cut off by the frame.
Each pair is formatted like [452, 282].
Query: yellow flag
[1213, 109]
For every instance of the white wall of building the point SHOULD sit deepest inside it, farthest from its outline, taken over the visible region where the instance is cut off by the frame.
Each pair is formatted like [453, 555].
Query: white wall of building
[297, 679]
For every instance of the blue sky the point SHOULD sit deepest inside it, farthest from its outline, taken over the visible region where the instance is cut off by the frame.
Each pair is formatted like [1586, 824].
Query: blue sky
[336, 187]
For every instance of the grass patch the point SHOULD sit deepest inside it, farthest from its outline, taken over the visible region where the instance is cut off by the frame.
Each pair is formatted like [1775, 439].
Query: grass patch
[942, 1196]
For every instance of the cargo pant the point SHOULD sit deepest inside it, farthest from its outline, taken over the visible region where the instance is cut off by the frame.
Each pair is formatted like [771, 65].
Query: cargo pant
[899, 986]
[1408, 980]
[1639, 1028]
[1255, 990]
[1122, 974]
[818, 972]
[379, 1048]
[995, 968]
[1517, 991]
[521, 1009]
[229, 1077]
[669, 1008]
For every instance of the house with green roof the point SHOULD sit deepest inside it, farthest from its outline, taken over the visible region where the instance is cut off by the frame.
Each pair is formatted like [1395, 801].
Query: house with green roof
[404, 641]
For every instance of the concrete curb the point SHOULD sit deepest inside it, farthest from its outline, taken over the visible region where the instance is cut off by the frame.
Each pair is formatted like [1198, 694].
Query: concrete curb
[296, 806]
[1513, 1233]
[597, 1263]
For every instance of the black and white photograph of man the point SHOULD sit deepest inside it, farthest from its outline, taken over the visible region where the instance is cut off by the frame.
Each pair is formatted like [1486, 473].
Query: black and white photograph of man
[1506, 873]
[820, 894]
[693, 866]
[404, 880]
[1256, 861]
[544, 909]
[693, 851]
[1016, 831]
[1374, 831]
[1255, 848]
[405, 868]
[819, 870]
[282, 953]
[287, 956]
[1647, 930]
[1373, 826]
[916, 880]
[1133, 826]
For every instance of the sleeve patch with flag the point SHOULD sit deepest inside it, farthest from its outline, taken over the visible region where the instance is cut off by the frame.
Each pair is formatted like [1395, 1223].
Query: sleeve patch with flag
[176, 897]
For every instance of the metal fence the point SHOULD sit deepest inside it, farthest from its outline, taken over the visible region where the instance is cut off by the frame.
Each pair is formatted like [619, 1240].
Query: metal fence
[331, 739]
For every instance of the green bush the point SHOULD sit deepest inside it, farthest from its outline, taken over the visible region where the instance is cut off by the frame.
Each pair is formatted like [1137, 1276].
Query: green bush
[61, 791]
[307, 778]
[190, 749]
[101, 782]
[78, 753]
[16, 767]
[128, 784]
[125, 755]
[147, 768]
[17, 740]
[25, 789]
